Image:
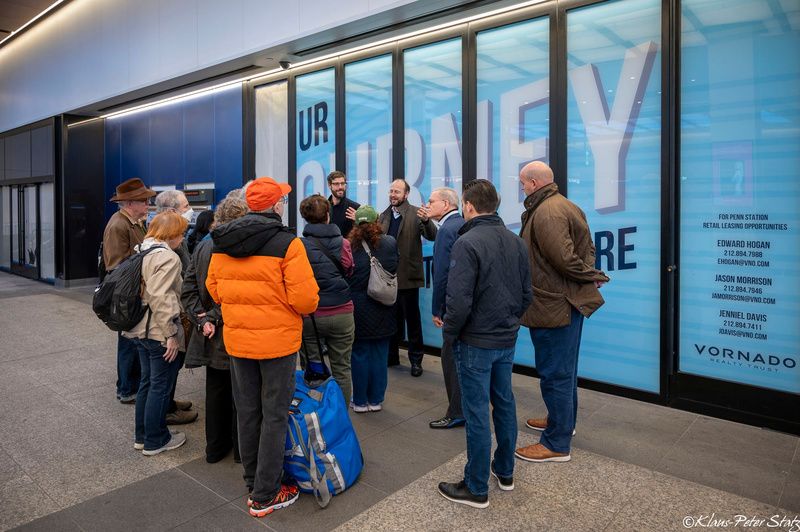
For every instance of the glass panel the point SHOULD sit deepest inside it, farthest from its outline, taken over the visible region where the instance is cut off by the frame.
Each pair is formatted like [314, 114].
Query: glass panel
[2, 159]
[316, 134]
[47, 214]
[272, 133]
[31, 256]
[613, 172]
[368, 112]
[740, 222]
[432, 110]
[5, 227]
[513, 108]
[15, 224]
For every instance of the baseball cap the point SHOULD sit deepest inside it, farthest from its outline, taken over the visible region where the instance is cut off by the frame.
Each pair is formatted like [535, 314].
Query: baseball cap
[265, 192]
[365, 214]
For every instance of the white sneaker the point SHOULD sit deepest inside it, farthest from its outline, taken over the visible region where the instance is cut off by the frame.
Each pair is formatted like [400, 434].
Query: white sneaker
[360, 409]
[177, 439]
[375, 408]
[138, 446]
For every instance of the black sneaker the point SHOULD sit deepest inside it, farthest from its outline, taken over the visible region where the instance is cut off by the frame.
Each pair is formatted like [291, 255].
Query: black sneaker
[285, 496]
[504, 483]
[458, 492]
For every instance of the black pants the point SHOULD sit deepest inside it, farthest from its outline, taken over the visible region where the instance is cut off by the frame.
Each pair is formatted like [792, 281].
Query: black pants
[174, 384]
[263, 391]
[407, 308]
[451, 382]
[220, 416]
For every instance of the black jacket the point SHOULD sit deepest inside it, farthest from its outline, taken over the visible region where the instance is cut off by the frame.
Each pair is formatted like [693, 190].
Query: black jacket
[337, 214]
[333, 288]
[202, 351]
[489, 285]
[374, 320]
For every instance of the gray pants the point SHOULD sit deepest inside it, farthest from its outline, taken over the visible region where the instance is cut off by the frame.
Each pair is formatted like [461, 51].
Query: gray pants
[262, 391]
[337, 332]
[451, 382]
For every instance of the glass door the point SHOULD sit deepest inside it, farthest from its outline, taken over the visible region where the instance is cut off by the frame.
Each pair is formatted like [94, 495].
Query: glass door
[25, 231]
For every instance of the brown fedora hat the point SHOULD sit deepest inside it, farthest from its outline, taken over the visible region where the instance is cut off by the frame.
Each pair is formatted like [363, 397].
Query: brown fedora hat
[133, 189]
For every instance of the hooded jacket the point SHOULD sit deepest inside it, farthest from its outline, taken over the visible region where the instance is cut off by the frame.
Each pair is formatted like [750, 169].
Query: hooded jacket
[261, 277]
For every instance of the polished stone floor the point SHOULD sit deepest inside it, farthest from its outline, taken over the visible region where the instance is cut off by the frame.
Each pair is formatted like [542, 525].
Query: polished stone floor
[67, 463]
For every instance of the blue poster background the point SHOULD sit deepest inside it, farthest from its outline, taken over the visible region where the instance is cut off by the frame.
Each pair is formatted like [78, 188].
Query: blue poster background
[432, 89]
[316, 105]
[740, 222]
[621, 340]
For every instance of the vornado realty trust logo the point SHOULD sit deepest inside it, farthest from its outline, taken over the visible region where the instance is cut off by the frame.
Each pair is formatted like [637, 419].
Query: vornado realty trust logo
[746, 359]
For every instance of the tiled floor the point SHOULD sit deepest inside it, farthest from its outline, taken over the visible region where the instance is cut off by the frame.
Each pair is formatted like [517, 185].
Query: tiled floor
[67, 463]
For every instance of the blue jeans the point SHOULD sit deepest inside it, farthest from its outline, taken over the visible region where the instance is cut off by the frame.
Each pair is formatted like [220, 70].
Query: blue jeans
[368, 368]
[128, 367]
[556, 352]
[485, 376]
[152, 401]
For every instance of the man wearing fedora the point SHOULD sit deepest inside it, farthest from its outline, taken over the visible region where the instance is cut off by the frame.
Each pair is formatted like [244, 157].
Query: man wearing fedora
[124, 231]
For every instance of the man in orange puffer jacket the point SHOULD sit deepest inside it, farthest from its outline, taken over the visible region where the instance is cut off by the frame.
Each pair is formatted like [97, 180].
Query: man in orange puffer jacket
[260, 275]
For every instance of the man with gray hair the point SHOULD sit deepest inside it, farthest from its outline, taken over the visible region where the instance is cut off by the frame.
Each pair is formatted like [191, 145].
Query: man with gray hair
[178, 412]
[442, 208]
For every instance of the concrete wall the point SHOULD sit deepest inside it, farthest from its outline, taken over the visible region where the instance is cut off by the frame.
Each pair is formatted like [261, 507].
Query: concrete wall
[92, 50]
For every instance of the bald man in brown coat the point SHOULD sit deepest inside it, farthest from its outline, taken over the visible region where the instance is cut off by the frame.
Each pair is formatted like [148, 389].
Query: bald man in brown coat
[565, 291]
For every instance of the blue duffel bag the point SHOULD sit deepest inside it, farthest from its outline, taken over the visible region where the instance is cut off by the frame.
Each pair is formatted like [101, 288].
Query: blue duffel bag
[322, 451]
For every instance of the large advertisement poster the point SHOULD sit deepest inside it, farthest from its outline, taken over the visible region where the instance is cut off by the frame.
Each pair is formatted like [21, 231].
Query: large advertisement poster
[368, 130]
[432, 92]
[316, 134]
[740, 193]
[614, 175]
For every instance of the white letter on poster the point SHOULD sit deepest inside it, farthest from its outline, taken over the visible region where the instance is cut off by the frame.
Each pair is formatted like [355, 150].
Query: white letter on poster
[415, 168]
[445, 152]
[610, 134]
[515, 150]
[312, 175]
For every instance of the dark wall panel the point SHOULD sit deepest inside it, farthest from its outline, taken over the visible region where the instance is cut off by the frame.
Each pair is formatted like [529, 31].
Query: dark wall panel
[18, 155]
[166, 145]
[193, 141]
[84, 200]
[42, 151]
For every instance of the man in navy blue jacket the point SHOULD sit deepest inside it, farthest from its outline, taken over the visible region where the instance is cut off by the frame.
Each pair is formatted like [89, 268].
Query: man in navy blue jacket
[488, 290]
[442, 208]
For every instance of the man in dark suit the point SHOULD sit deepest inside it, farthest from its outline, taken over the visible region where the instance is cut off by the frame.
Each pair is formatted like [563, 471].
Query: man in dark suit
[402, 221]
[343, 209]
[442, 207]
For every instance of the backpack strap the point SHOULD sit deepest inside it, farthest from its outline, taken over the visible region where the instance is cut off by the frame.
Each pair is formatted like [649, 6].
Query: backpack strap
[325, 251]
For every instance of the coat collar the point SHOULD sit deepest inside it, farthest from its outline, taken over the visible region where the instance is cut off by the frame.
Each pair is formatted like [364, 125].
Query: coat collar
[484, 219]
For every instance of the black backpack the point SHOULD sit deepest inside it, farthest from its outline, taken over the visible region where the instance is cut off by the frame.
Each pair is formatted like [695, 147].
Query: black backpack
[117, 300]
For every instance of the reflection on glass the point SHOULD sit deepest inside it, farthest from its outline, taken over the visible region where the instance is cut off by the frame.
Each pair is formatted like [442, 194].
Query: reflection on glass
[47, 217]
[31, 252]
[614, 175]
[740, 227]
[5, 227]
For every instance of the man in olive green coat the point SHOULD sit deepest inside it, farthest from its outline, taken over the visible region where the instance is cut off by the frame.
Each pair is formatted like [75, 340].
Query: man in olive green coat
[565, 291]
[407, 224]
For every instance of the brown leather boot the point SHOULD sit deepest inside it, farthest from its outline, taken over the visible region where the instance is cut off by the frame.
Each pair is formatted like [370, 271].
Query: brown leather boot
[537, 423]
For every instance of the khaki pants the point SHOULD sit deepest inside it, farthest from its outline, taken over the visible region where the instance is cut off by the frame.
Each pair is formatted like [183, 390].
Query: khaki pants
[337, 333]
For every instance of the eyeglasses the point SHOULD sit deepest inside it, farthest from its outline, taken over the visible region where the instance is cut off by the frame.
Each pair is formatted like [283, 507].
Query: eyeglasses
[285, 200]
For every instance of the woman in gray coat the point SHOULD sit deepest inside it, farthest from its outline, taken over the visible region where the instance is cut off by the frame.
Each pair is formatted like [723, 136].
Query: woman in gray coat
[207, 349]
